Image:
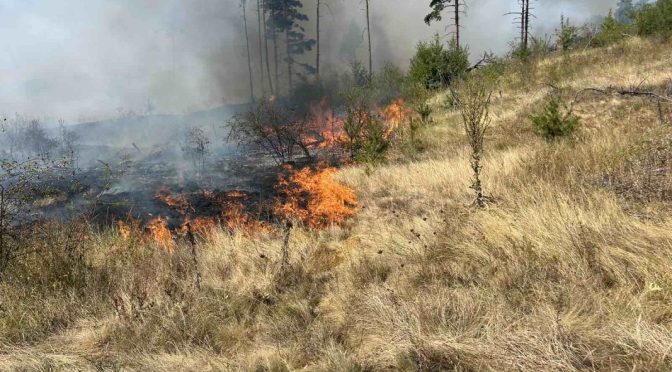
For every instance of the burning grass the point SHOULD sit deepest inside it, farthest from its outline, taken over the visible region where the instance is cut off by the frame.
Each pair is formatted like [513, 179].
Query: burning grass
[315, 198]
[556, 276]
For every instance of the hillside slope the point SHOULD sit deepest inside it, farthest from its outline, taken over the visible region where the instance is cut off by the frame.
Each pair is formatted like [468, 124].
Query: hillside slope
[567, 269]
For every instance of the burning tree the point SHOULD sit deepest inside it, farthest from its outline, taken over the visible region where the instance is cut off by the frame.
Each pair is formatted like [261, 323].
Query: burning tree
[279, 131]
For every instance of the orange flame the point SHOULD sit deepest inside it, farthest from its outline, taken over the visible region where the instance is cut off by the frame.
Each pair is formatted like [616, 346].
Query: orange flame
[179, 202]
[326, 128]
[315, 198]
[233, 211]
[394, 114]
[158, 232]
[202, 226]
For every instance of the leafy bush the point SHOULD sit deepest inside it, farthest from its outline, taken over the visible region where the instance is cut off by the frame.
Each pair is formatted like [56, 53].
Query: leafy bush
[365, 136]
[567, 35]
[552, 123]
[360, 75]
[433, 66]
[655, 18]
[425, 111]
[611, 31]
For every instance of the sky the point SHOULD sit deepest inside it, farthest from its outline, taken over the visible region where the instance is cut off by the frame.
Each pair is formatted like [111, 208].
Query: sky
[89, 59]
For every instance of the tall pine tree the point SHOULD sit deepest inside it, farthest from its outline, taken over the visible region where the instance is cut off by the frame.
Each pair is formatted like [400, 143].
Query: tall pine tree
[285, 17]
[438, 6]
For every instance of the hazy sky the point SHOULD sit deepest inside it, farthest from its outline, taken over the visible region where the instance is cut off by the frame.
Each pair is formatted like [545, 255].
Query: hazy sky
[87, 58]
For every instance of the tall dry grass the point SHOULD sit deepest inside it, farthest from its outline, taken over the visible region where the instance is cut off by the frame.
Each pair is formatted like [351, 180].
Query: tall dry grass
[568, 268]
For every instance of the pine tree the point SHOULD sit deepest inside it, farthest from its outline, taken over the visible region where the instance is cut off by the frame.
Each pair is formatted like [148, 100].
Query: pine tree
[368, 31]
[285, 16]
[243, 6]
[439, 6]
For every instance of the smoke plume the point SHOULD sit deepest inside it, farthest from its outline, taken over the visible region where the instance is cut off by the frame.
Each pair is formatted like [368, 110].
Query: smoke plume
[87, 59]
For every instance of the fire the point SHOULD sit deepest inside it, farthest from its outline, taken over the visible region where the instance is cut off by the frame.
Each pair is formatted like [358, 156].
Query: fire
[233, 211]
[202, 226]
[315, 198]
[179, 202]
[158, 232]
[326, 128]
[394, 114]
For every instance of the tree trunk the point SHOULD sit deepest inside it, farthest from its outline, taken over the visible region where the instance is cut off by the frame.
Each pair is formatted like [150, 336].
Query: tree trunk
[290, 61]
[247, 45]
[261, 49]
[368, 30]
[317, 59]
[274, 34]
[527, 23]
[268, 64]
[522, 21]
[457, 23]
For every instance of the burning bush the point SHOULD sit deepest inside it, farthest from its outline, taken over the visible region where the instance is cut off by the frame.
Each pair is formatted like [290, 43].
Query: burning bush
[315, 198]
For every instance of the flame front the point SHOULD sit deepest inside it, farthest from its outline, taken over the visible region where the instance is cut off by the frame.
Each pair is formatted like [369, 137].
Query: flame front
[394, 115]
[315, 198]
[158, 232]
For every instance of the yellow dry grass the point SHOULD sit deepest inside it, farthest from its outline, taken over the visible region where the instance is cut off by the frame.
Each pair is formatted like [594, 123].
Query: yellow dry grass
[561, 272]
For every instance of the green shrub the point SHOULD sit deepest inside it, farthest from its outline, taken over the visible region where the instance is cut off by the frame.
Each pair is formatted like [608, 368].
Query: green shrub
[433, 66]
[611, 31]
[365, 136]
[567, 35]
[655, 18]
[360, 75]
[425, 111]
[553, 123]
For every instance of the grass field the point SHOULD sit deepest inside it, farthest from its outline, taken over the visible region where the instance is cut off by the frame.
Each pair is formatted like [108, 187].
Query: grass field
[569, 268]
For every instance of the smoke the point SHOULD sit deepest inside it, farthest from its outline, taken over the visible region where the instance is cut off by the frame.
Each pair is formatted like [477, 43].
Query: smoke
[86, 59]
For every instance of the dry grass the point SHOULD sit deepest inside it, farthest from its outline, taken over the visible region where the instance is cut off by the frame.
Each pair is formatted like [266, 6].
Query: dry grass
[569, 269]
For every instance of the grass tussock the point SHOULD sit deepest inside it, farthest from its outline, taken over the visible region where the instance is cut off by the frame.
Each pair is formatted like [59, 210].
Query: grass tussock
[568, 268]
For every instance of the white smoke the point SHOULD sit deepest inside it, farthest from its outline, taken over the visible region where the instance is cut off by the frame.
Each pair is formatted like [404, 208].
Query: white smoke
[83, 59]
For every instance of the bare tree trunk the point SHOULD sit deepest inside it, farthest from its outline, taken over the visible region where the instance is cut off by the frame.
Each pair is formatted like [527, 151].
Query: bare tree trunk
[275, 59]
[290, 61]
[527, 23]
[260, 11]
[268, 64]
[317, 59]
[368, 30]
[457, 23]
[243, 4]
[522, 21]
